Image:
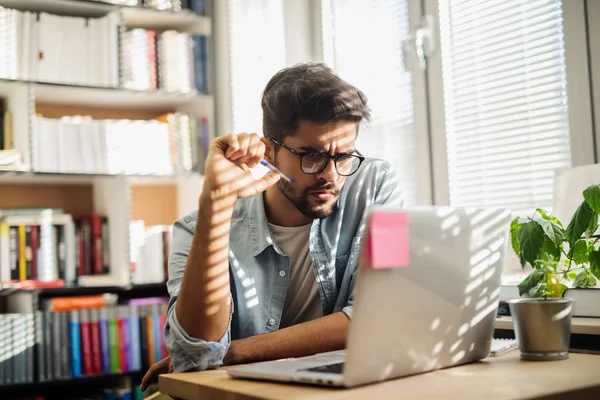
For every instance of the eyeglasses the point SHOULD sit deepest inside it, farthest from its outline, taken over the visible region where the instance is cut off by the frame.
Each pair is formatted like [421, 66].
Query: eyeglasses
[313, 163]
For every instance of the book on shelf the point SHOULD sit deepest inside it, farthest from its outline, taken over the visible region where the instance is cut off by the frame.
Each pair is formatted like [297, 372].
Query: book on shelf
[10, 158]
[197, 6]
[48, 245]
[79, 338]
[44, 47]
[39, 46]
[173, 143]
[150, 246]
[171, 61]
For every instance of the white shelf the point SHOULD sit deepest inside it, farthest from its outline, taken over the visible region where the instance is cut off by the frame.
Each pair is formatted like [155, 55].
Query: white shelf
[133, 17]
[62, 7]
[151, 180]
[114, 97]
[9, 177]
[185, 21]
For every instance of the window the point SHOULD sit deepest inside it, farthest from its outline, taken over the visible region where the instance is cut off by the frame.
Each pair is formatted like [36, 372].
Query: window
[499, 104]
[257, 52]
[505, 100]
[372, 60]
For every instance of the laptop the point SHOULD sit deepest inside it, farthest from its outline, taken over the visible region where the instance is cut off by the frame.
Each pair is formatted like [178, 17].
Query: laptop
[426, 298]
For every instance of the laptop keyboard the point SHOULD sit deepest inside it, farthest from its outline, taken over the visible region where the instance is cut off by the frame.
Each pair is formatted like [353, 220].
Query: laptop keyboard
[328, 369]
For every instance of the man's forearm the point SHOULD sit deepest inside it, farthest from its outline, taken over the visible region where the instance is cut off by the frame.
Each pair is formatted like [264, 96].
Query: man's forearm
[320, 335]
[203, 305]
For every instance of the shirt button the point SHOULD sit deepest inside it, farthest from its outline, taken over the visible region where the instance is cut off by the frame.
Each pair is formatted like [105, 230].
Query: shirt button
[271, 322]
[282, 273]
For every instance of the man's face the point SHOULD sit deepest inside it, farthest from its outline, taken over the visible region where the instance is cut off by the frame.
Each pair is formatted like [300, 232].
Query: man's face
[316, 195]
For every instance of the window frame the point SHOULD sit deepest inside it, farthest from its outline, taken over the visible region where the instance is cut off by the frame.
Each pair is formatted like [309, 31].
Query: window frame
[592, 8]
[304, 39]
[578, 92]
[421, 116]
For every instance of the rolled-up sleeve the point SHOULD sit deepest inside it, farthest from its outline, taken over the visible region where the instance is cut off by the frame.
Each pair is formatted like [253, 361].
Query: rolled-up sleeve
[388, 194]
[188, 353]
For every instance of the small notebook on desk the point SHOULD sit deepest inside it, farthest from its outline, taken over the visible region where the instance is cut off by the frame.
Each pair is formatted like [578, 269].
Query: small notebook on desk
[501, 346]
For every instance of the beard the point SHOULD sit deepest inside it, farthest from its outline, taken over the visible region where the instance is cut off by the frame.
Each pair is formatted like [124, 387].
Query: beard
[302, 200]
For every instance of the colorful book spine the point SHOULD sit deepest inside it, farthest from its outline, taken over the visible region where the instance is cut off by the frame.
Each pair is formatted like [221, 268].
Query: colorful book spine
[105, 341]
[113, 331]
[22, 254]
[135, 363]
[86, 342]
[151, 338]
[156, 326]
[43, 345]
[95, 333]
[123, 326]
[75, 340]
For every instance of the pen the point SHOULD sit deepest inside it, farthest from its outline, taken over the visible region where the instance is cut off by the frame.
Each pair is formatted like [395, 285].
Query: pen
[274, 169]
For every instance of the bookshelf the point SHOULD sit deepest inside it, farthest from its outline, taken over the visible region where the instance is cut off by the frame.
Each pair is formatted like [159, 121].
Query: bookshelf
[125, 195]
[94, 89]
[84, 340]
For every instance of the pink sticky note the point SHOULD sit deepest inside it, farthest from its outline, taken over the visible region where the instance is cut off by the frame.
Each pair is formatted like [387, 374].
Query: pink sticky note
[387, 240]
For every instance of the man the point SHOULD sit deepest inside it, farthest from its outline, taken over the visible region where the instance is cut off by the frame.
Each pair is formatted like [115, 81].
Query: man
[266, 268]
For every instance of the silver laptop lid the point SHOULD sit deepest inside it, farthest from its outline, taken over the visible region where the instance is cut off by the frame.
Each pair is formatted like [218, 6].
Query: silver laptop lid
[430, 301]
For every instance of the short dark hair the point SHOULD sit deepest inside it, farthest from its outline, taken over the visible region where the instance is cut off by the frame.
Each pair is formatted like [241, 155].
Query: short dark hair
[310, 92]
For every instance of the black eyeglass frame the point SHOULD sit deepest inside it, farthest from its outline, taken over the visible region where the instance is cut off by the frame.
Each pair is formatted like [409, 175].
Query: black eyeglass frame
[335, 158]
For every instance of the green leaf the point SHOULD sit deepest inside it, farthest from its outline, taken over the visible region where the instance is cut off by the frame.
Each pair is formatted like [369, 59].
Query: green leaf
[531, 240]
[592, 197]
[595, 263]
[579, 252]
[571, 275]
[530, 282]
[548, 217]
[541, 291]
[514, 230]
[579, 223]
[591, 229]
[549, 251]
[584, 280]
[563, 288]
[554, 231]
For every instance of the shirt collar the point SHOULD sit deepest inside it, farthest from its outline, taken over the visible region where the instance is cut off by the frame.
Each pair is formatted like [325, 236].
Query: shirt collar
[259, 227]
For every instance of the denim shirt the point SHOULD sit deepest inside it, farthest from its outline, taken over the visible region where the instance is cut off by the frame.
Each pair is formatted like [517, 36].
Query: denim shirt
[259, 270]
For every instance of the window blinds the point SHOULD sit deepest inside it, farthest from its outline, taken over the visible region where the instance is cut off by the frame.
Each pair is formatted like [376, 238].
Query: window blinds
[367, 39]
[505, 99]
[257, 52]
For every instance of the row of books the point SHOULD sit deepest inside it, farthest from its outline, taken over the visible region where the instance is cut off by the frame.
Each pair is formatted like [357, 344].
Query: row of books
[171, 61]
[96, 341]
[73, 337]
[49, 245]
[59, 49]
[197, 6]
[173, 143]
[87, 51]
[149, 247]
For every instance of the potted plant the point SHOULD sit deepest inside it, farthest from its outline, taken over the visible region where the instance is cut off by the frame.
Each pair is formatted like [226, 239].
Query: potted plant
[557, 256]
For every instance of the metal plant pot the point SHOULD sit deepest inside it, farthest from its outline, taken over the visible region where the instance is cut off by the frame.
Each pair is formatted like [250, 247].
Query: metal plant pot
[542, 327]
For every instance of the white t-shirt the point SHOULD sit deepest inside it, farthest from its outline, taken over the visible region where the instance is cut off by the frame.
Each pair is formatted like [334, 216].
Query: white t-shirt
[302, 300]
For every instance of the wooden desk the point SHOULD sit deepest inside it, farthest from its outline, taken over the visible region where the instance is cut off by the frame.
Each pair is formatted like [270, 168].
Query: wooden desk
[504, 377]
[579, 325]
